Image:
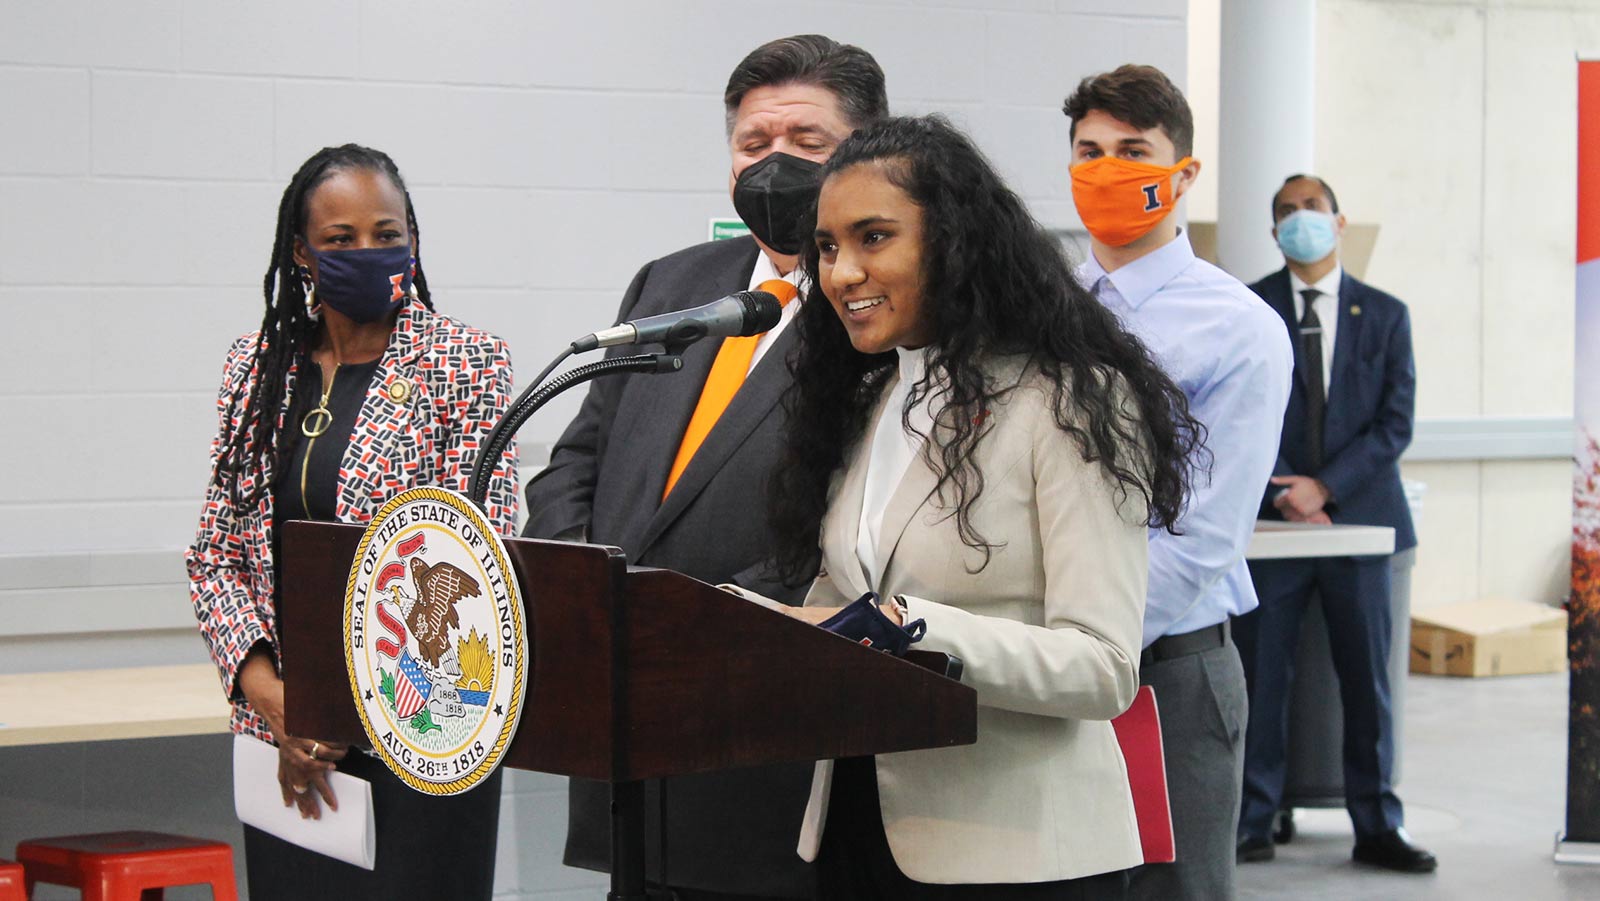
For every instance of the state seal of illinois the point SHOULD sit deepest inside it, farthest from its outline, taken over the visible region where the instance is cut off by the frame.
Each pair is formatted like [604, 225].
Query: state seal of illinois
[435, 641]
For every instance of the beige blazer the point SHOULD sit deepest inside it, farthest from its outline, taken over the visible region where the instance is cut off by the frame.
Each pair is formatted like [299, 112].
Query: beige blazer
[1049, 632]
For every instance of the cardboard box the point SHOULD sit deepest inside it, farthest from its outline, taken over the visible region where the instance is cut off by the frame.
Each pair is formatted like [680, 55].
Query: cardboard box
[1490, 637]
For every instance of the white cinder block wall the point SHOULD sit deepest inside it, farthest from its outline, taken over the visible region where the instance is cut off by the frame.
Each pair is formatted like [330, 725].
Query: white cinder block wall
[551, 148]
[1452, 125]
[1479, 231]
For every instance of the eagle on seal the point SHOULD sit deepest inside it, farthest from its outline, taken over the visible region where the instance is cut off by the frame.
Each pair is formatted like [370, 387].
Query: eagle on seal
[439, 587]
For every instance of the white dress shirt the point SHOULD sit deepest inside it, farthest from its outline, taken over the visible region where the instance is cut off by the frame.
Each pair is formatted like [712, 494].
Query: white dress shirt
[763, 272]
[1327, 307]
[893, 449]
[1229, 352]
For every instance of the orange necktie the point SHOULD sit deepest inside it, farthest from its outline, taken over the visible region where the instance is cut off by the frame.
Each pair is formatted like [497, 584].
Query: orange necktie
[727, 374]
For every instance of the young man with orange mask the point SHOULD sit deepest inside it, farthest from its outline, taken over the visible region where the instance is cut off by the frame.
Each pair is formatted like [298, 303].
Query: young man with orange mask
[1132, 133]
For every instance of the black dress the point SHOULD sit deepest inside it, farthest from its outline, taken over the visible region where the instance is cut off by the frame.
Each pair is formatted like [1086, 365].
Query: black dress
[427, 847]
[856, 864]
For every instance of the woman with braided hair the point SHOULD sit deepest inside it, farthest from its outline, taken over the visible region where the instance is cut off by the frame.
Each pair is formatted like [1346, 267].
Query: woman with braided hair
[352, 391]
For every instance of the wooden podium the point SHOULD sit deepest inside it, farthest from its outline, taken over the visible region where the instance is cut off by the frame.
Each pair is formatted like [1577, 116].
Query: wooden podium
[638, 674]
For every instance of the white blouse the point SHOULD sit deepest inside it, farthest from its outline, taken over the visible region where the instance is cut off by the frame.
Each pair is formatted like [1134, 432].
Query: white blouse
[893, 449]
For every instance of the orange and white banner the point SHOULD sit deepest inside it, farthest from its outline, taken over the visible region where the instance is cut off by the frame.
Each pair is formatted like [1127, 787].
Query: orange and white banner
[1583, 740]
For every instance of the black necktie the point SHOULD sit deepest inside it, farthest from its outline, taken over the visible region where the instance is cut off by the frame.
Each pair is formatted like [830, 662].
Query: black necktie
[1311, 373]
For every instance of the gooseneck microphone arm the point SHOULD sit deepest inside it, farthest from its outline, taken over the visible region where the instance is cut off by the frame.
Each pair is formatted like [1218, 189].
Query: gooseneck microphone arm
[745, 313]
[538, 395]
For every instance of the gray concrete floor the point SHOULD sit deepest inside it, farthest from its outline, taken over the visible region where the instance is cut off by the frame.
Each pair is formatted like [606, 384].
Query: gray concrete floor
[1484, 785]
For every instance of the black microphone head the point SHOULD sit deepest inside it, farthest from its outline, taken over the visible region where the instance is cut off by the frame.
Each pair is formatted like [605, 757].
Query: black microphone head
[761, 312]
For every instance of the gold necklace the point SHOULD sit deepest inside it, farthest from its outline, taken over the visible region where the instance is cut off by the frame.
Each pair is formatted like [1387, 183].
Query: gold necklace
[317, 421]
[323, 419]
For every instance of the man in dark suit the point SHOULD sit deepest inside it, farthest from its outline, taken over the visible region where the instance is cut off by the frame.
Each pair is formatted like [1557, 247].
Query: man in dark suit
[654, 465]
[1349, 418]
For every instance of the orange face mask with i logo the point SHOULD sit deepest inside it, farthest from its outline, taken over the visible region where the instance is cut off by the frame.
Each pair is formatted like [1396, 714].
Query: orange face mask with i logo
[1120, 200]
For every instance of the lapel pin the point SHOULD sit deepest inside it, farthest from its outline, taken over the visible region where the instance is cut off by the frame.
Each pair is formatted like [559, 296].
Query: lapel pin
[1355, 309]
[399, 390]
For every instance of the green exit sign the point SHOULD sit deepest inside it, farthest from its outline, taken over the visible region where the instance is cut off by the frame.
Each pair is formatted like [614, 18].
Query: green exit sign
[723, 229]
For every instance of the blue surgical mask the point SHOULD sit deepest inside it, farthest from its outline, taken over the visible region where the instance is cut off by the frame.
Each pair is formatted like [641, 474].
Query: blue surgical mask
[1307, 236]
[365, 285]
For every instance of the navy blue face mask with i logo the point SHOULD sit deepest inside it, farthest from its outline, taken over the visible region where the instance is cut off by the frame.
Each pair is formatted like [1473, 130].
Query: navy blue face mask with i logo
[365, 285]
[863, 622]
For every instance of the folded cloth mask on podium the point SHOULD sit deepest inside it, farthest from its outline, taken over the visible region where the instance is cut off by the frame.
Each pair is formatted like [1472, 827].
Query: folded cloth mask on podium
[862, 622]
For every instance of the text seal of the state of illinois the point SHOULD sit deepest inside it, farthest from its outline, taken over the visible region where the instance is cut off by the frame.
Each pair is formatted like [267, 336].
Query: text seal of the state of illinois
[435, 641]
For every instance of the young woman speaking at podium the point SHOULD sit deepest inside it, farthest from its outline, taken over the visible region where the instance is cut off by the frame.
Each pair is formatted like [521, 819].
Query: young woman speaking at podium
[984, 447]
[352, 391]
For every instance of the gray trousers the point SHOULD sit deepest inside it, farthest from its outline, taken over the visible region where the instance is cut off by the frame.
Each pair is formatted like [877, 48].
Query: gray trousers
[1203, 706]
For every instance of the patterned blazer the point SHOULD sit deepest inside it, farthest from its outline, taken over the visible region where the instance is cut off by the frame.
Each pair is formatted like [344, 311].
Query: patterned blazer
[460, 384]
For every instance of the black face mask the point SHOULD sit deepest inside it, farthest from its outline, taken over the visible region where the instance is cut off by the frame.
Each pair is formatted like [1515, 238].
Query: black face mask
[774, 196]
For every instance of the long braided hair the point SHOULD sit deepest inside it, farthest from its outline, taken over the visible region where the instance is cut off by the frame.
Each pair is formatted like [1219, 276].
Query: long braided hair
[996, 284]
[287, 330]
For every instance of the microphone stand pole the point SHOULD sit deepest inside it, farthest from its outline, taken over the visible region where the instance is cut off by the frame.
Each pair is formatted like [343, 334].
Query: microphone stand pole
[627, 798]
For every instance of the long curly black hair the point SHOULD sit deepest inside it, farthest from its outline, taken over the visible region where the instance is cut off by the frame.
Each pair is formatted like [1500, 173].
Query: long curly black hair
[997, 284]
[286, 329]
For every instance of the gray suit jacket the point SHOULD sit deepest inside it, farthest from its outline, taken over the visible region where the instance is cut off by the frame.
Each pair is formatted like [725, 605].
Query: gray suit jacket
[729, 832]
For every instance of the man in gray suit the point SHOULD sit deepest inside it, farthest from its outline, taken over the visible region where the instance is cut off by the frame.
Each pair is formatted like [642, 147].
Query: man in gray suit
[624, 473]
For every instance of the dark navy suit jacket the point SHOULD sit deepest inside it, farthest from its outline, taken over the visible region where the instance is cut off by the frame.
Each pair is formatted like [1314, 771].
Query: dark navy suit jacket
[1370, 409]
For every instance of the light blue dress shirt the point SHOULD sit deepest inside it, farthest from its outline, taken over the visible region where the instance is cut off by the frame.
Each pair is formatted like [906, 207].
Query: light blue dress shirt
[1229, 352]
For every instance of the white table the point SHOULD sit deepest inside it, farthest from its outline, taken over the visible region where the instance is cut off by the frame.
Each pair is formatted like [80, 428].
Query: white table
[1316, 724]
[105, 704]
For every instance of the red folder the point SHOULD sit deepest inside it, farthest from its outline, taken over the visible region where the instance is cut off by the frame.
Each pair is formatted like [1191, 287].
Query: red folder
[1139, 734]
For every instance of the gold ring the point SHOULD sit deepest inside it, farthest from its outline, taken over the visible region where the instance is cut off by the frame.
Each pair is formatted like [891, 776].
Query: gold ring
[314, 746]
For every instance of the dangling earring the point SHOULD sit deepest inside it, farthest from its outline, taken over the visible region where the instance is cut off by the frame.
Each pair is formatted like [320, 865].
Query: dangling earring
[313, 309]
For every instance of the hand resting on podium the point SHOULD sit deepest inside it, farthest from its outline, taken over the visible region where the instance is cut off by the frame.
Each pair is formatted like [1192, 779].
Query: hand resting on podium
[867, 620]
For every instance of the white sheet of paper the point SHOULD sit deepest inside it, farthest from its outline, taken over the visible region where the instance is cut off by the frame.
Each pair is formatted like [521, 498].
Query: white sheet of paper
[752, 597]
[345, 834]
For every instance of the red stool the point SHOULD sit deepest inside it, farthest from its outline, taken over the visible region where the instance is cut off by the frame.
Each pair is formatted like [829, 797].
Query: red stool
[11, 881]
[125, 866]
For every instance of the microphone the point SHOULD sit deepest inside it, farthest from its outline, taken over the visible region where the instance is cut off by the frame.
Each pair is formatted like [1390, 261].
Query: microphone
[741, 314]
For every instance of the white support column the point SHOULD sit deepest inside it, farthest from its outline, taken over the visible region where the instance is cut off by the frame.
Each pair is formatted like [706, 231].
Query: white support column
[1266, 127]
